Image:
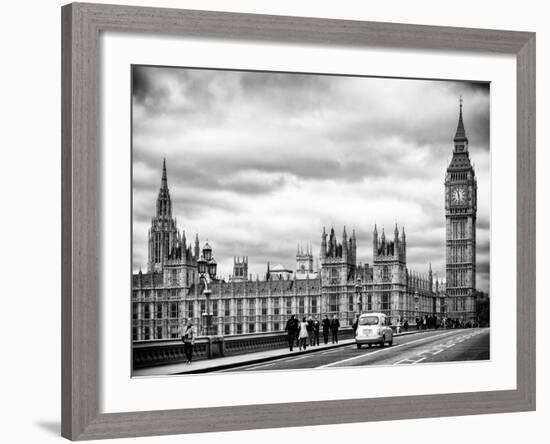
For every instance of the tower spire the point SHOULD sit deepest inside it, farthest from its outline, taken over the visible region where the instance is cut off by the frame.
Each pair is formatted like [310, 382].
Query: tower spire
[460, 135]
[164, 182]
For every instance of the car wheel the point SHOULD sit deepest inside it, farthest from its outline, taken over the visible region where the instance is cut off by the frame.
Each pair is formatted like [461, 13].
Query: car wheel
[358, 345]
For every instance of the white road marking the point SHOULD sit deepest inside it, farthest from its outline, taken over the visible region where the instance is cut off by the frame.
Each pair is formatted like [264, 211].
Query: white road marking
[258, 366]
[296, 359]
[438, 348]
[385, 349]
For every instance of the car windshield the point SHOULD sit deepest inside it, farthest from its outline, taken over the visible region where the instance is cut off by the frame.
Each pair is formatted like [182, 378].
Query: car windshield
[368, 320]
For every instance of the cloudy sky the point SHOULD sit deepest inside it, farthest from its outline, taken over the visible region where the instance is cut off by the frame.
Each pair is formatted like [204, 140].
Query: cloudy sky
[259, 162]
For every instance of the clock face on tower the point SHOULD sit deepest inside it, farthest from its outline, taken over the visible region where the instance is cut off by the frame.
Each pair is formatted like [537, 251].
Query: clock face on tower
[458, 195]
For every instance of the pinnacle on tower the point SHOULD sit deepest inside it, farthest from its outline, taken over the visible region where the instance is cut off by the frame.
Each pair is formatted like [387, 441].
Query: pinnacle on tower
[460, 135]
[164, 181]
[323, 244]
[197, 248]
[344, 242]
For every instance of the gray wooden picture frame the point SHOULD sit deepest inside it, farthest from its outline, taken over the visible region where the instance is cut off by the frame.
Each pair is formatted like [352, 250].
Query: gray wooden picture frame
[81, 174]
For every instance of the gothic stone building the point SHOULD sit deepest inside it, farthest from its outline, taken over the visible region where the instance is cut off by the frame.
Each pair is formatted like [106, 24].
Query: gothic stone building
[172, 290]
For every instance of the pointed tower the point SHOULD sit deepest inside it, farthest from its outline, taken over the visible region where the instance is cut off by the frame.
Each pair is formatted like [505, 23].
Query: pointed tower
[403, 244]
[197, 251]
[333, 247]
[354, 246]
[163, 234]
[344, 244]
[164, 203]
[460, 139]
[375, 242]
[323, 252]
[460, 216]
[396, 247]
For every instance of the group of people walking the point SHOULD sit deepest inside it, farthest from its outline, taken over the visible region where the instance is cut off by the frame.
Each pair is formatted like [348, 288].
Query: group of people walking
[306, 332]
[301, 334]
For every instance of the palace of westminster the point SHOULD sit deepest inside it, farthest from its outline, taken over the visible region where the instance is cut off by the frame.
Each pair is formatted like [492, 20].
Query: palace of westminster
[181, 281]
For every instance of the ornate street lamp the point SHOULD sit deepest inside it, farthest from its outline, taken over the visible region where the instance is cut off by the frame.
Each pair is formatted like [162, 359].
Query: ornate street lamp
[207, 268]
[359, 296]
[201, 263]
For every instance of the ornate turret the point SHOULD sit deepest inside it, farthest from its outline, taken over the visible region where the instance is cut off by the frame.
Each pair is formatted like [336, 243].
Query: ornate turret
[240, 268]
[323, 253]
[197, 247]
[344, 243]
[375, 241]
[404, 244]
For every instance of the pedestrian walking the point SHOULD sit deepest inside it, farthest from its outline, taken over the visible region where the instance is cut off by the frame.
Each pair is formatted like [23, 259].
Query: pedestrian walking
[291, 329]
[406, 325]
[310, 331]
[326, 329]
[316, 327]
[355, 325]
[334, 326]
[188, 339]
[303, 333]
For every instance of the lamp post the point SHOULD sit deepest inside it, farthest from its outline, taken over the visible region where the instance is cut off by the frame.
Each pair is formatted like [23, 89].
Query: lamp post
[359, 296]
[205, 280]
[207, 267]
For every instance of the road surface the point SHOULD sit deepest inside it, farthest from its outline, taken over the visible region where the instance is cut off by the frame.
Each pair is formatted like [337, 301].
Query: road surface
[424, 347]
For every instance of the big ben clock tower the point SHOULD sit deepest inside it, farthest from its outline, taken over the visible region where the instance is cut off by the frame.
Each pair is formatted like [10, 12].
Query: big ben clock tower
[460, 215]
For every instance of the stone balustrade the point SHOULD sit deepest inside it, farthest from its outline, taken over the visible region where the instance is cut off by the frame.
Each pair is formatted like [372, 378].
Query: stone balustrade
[170, 351]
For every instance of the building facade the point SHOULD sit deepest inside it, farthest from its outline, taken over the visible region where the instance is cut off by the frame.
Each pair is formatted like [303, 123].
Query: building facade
[172, 291]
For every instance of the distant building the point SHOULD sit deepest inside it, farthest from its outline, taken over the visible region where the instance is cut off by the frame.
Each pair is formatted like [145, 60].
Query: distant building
[172, 289]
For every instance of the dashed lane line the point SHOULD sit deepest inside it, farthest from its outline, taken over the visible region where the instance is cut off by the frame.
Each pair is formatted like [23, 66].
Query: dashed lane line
[438, 348]
[258, 366]
[386, 349]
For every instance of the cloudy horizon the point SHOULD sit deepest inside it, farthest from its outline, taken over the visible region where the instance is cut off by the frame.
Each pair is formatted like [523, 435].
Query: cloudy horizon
[259, 162]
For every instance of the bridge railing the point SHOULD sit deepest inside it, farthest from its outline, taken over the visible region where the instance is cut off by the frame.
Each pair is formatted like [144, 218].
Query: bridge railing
[171, 351]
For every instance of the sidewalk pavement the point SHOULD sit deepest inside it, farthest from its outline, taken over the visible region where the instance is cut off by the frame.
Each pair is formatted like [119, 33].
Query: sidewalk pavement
[227, 362]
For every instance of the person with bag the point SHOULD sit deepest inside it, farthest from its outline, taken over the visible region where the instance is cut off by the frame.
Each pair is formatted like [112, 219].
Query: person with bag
[188, 339]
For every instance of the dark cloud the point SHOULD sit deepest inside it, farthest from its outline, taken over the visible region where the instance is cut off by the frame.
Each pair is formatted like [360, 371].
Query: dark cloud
[258, 162]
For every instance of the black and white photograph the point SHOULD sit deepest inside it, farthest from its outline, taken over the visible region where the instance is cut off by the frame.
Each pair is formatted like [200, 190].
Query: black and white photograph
[290, 221]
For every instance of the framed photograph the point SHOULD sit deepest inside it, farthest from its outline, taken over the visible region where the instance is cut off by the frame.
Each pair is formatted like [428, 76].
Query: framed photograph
[256, 204]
